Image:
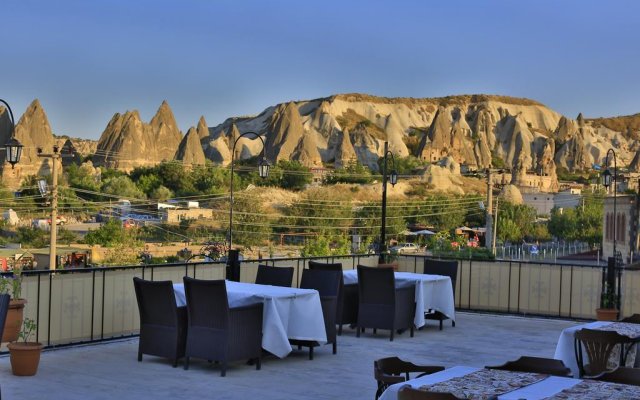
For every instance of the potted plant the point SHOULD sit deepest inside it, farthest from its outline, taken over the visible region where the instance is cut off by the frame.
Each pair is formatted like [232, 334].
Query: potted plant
[13, 285]
[608, 310]
[25, 355]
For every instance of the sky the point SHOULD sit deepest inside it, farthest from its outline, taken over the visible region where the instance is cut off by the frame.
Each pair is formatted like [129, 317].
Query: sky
[86, 60]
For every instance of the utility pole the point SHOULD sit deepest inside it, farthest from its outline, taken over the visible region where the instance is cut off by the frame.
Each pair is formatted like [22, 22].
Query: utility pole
[488, 237]
[495, 228]
[55, 156]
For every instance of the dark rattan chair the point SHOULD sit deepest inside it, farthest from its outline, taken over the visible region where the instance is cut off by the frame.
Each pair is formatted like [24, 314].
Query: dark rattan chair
[538, 365]
[327, 284]
[445, 268]
[163, 325]
[392, 370]
[218, 332]
[634, 319]
[409, 393]
[274, 276]
[381, 304]
[599, 346]
[340, 315]
[627, 376]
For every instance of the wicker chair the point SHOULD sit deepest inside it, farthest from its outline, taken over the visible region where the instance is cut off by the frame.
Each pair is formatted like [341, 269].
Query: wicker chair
[408, 393]
[627, 376]
[327, 283]
[538, 365]
[163, 325]
[392, 370]
[217, 332]
[381, 304]
[599, 346]
[275, 276]
[445, 268]
[634, 319]
[342, 316]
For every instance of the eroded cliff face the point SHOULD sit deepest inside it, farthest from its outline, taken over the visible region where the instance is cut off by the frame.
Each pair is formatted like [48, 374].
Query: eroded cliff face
[475, 131]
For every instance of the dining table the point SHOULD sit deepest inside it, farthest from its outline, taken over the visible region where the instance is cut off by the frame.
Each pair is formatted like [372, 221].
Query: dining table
[481, 383]
[565, 348]
[433, 292]
[289, 313]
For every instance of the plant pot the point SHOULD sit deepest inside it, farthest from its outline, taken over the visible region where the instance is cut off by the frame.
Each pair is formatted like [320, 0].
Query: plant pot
[13, 323]
[25, 357]
[606, 314]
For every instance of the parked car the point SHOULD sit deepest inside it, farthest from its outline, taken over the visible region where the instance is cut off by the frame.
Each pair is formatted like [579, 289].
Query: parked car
[405, 248]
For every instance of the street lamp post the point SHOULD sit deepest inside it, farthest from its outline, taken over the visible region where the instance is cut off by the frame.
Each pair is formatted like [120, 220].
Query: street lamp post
[263, 171]
[393, 178]
[606, 182]
[13, 146]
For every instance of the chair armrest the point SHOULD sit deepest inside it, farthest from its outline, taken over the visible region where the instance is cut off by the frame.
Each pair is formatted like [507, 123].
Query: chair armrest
[391, 379]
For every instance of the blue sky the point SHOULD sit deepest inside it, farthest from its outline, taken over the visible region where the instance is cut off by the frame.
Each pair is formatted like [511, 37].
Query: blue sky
[86, 60]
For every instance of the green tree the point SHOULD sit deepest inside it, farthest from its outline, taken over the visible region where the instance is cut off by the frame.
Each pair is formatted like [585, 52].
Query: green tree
[250, 223]
[319, 211]
[122, 186]
[326, 245]
[110, 234]
[515, 221]
[367, 222]
[66, 236]
[403, 165]
[32, 237]
[354, 172]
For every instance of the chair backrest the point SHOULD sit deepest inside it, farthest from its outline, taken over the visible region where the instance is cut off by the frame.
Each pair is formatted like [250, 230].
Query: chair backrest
[156, 302]
[633, 319]
[4, 309]
[275, 276]
[538, 365]
[376, 285]
[624, 375]
[409, 393]
[598, 345]
[207, 303]
[326, 282]
[442, 267]
[325, 266]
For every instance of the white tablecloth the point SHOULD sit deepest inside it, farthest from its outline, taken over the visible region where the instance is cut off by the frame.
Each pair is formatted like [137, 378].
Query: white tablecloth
[536, 391]
[289, 313]
[432, 292]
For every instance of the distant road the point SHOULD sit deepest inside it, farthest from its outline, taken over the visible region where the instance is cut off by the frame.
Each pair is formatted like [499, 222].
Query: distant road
[83, 227]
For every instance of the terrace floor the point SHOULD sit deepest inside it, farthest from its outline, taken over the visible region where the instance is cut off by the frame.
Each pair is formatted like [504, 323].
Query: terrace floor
[111, 371]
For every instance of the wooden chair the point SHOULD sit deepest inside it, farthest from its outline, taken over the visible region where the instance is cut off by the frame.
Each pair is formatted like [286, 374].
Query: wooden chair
[342, 317]
[327, 284]
[538, 365]
[275, 276]
[409, 393]
[163, 325]
[634, 319]
[380, 304]
[216, 331]
[599, 346]
[392, 370]
[625, 375]
[445, 268]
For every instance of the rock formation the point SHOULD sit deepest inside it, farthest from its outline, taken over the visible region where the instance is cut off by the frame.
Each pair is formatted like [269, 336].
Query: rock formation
[190, 150]
[202, 129]
[127, 142]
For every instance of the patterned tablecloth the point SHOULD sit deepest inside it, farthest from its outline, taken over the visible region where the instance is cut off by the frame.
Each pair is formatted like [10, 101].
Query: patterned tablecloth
[623, 328]
[595, 390]
[485, 384]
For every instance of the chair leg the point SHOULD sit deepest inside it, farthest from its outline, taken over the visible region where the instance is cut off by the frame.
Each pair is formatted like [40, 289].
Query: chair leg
[310, 352]
[299, 347]
[335, 347]
[139, 356]
[339, 329]
[223, 372]
[258, 364]
[411, 330]
[453, 323]
[375, 331]
[357, 331]
[175, 362]
[391, 338]
[186, 363]
[440, 324]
